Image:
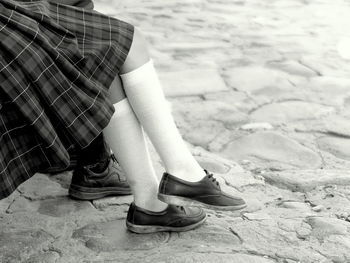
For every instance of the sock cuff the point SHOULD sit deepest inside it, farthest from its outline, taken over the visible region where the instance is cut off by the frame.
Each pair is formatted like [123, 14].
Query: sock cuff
[142, 73]
[122, 107]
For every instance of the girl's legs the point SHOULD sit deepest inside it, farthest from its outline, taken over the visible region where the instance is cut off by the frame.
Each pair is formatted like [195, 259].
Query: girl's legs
[147, 100]
[148, 107]
[146, 214]
[125, 136]
[144, 102]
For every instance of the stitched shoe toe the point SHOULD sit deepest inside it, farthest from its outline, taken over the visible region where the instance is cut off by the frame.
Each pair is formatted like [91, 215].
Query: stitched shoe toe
[173, 218]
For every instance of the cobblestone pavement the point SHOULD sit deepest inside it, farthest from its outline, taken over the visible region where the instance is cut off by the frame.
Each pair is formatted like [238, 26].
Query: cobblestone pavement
[261, 91]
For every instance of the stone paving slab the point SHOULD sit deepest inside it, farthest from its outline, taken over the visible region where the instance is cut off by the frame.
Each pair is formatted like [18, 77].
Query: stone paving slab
[305, 180]
[192, 82]
[260, 92]
[274, 149]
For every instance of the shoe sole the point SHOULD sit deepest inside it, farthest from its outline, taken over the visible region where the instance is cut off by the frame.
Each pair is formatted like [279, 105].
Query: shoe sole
[84, 193]
[140, 229]
[183, 201]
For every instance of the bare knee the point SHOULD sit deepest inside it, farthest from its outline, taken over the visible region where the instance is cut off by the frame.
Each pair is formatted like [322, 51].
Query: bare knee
[138, 53]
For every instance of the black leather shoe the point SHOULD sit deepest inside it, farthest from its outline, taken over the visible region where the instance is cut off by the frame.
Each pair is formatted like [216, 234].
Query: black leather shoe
[87, 185]
[205, 193]
[173, 218]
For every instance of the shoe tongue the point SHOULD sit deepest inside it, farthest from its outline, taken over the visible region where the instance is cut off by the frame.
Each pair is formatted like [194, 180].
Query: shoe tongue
[177, 208]
[183, 210]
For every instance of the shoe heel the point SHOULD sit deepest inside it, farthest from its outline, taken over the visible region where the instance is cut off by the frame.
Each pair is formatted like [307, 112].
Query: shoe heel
[84, 193]
[81, 195]
[138, 229]
[142, 229]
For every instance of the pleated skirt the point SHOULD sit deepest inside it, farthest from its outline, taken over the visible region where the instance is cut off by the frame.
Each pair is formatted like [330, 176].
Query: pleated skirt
[57, 63]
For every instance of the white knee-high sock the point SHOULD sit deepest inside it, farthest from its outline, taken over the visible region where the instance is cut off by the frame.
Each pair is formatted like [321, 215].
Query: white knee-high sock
[147, 99]
[126, 138]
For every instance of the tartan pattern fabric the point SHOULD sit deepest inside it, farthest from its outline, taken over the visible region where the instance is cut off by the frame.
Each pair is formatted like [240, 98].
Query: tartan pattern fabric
[56, 65]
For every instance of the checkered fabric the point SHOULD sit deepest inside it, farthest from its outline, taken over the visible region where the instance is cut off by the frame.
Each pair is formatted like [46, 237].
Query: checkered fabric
[56, 65]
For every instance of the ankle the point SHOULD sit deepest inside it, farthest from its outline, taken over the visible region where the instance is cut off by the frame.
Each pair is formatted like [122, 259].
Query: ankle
[191, 174]
[152, 204]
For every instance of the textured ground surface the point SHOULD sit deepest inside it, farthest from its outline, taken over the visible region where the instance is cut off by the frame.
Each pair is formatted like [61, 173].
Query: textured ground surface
[261, 91]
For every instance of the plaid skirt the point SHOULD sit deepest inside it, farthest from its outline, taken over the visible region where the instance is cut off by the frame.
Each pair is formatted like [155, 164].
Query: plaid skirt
[56, 65]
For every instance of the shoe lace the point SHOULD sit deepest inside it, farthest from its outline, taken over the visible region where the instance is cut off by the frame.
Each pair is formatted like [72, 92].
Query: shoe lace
[181, 208]
[213, 179]
[114, 158]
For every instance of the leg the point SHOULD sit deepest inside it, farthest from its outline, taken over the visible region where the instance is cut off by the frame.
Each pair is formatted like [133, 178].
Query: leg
[96, 155]
[97, 173]
[126, 138]
[146, 214]
[185, 182]
[146, 97]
